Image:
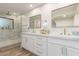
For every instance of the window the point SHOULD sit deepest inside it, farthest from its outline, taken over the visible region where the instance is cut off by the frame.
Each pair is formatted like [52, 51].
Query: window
[6, 23]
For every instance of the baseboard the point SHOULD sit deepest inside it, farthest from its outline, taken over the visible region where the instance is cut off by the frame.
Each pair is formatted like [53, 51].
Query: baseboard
[10, 46]
[9, 42]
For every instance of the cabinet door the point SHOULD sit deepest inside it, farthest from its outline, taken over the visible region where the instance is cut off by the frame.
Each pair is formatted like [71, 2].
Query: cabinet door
[72, 52]
[40, 46]
[54, 50]
[23, 42]
[27, 43]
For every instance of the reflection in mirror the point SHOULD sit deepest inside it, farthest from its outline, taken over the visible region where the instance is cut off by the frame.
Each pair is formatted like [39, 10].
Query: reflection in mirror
[6, 23]
[53, 23]
[66, 16]
[35, 22]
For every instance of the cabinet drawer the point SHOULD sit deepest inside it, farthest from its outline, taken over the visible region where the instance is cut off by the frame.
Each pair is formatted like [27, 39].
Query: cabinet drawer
[38, 39]
[38, 50]
[24, 36]
[38, 44]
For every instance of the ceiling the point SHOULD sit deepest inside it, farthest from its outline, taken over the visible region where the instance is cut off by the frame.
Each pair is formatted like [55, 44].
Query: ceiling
[18, 7]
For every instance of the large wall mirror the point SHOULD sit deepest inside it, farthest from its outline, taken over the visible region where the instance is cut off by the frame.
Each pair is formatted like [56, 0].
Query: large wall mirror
[6, 23]
[35, 22]
[66, 16]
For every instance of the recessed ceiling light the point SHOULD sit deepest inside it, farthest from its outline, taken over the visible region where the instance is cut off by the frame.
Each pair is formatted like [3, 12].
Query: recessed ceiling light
[31, 5]
[14, 13]
[64, 15]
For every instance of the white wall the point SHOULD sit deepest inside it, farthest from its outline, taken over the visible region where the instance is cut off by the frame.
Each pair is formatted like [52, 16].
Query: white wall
[76, 18]
[65, 22]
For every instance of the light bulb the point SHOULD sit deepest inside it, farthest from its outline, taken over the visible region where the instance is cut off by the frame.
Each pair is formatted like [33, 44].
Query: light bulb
[31, 5]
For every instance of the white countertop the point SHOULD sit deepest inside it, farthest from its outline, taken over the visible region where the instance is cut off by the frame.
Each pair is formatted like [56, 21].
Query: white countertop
[56, 36]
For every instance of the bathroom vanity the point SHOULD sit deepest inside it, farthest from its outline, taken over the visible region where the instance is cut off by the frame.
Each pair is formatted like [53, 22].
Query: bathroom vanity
[51, 45]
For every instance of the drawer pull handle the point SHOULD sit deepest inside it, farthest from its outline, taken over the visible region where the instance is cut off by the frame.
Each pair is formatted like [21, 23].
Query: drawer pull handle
[38, 44]
[38, 48]
[39, 52]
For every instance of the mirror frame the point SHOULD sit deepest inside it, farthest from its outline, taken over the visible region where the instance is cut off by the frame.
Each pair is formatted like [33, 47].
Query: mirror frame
[32, 22]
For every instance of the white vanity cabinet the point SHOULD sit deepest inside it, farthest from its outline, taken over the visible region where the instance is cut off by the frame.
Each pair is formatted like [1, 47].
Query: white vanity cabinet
[35, 44]
[50, 46]
[58, 50]
[27, 42]
[56, 46]
[40, 45]
[54, 50]
[62, 47]
[72, 52]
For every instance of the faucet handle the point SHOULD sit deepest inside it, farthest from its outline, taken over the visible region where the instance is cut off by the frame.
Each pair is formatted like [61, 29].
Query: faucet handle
[61, 33]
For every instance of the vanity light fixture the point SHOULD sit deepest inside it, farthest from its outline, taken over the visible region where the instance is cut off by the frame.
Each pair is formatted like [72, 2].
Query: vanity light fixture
[31, 5]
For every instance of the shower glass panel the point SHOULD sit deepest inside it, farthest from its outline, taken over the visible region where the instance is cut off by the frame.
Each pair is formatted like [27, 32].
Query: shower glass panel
[6, 29]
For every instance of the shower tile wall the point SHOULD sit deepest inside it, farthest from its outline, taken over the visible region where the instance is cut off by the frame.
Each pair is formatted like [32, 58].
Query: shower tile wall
[11, 34]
